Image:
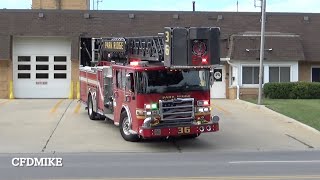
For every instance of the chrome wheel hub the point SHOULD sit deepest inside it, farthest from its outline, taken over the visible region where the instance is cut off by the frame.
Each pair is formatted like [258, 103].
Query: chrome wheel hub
[90, 108]
[126, 126]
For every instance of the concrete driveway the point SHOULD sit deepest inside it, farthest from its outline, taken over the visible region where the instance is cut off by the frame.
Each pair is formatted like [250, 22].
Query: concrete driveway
[55, 125]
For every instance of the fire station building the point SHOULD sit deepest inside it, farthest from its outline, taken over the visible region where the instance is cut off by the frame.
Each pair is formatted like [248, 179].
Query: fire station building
[41, 48]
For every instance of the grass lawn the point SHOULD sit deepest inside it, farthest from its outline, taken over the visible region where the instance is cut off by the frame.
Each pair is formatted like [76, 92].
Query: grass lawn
[306, 111]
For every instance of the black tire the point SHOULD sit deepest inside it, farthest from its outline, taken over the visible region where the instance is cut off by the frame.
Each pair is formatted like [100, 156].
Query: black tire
[191, 136]
[124, 131]
[91, 113]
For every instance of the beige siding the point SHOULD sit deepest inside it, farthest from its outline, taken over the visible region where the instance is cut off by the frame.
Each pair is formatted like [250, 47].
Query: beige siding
[232, 93]
[4, 77]
[61, 4]
[305, 70]
[75, 76]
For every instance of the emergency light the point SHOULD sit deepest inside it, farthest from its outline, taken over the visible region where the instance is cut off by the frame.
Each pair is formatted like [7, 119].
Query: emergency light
[191, 47]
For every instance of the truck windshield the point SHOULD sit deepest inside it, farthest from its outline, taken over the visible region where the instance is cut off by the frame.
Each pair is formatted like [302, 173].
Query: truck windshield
[172, 81]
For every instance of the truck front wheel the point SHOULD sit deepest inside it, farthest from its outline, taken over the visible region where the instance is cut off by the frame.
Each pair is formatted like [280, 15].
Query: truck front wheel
[91, 113]
[191, 136]
[125, 128]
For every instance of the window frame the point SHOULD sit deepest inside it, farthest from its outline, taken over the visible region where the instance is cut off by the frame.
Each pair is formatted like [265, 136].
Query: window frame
[280, 66]
[241, 74]
[311, 69]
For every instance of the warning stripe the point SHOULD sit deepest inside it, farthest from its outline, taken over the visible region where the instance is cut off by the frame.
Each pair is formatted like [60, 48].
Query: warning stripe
[93, 82]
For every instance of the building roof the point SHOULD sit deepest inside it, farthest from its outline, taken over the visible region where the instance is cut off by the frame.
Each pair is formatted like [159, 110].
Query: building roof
[278, 46]
[75, 24]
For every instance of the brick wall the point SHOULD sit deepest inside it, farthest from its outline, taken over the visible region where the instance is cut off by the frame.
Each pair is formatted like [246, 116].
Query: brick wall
[246, 93]
[61, 4]
[117, 23]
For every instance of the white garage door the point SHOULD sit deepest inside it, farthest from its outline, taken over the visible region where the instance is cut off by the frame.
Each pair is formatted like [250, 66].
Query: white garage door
[41, 67]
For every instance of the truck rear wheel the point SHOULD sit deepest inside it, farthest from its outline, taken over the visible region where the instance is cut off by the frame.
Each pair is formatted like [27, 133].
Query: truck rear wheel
[125, 128]
[91, 113]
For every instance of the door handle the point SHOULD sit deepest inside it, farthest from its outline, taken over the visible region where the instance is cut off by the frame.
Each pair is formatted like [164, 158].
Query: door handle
[128, 98]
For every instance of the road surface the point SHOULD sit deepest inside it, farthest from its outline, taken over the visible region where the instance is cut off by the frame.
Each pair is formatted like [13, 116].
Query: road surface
[207, 165]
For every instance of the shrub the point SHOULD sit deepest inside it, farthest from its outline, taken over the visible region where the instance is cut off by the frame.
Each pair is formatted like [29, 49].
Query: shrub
[292, 90]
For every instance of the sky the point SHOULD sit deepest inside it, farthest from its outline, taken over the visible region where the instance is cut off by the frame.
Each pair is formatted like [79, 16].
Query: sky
[312, 6]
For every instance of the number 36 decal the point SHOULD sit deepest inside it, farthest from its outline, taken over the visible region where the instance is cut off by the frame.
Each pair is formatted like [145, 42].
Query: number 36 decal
[183, 130]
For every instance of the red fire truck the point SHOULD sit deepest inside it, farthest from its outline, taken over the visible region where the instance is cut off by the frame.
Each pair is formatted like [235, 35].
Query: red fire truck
[154, 86]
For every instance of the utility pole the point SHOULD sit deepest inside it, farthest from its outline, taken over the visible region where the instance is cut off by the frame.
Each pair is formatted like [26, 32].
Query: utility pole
[263, 21]
[237, 6]
[98, 1]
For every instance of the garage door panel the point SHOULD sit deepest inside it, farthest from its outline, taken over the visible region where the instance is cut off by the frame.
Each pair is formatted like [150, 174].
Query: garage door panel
[42, 68]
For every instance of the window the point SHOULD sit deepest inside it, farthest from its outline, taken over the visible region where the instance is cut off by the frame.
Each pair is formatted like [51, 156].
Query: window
[316, 74]
[123, 80]
[118, 79]
[24, 67]
[23, 58]
[60, 76]
[60, 59]
[279, 74]
[42, 75]
[165, 81]
[60, 67]
[250, 75]
[23, 75]
[130, 82]
[42, 67]
[42, 58]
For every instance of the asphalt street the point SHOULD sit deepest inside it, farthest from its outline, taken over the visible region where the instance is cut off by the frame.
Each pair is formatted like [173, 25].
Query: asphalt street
[208, 165]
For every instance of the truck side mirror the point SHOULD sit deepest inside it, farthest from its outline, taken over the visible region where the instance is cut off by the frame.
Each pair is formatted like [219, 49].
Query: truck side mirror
[130, 82]
[211, 77]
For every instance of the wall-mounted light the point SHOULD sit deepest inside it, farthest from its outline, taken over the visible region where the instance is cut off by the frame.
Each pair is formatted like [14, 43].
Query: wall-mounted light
[131, 16]
[306, 19]
[248, 50]
[175, 16]
[220, 17]
[41, 15]
[86, 15]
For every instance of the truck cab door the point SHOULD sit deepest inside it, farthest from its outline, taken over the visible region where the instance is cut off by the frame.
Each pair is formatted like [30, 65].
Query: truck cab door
[118, 93]
[130, 97]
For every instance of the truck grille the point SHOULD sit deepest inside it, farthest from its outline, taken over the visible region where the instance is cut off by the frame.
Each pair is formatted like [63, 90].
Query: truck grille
[181, 109]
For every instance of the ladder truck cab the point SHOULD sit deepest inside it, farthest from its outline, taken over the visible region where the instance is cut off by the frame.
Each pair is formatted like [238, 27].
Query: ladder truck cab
[154, 86]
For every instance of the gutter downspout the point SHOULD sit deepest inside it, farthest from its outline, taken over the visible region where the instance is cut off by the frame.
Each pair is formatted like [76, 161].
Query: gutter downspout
[238, 87]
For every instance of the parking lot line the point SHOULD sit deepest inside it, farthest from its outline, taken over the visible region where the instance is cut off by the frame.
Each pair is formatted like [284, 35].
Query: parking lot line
[55, 107]
[220, 108]
[77, 108]
[219, 178]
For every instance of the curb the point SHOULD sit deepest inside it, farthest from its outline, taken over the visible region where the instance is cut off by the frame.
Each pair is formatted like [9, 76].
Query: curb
[279, 114]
